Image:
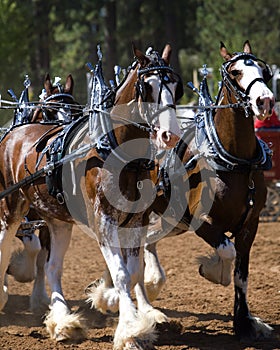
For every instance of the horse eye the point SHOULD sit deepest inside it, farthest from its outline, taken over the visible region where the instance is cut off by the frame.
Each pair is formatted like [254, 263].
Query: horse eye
[235, 72]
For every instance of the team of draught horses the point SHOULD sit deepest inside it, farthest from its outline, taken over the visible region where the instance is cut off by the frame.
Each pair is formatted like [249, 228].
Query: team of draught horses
[110, 169]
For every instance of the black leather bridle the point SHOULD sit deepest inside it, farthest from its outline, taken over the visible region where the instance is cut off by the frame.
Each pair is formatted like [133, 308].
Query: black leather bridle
[241, 95]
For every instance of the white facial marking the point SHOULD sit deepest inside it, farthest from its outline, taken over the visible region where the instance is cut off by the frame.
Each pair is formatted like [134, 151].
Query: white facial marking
[260, 95]
[168, 130]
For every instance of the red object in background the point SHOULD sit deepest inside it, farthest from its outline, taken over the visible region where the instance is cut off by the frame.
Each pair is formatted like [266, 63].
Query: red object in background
[269, 131]
[271, 122]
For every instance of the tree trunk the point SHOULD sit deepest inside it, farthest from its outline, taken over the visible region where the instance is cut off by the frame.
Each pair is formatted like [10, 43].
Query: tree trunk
[110, 59]
[42, 39]
[171, 32]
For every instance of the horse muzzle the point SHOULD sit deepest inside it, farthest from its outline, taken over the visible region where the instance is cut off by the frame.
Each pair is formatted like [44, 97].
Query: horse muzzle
[168, 131]
[166, 139]
[265, 105]
[169, 139]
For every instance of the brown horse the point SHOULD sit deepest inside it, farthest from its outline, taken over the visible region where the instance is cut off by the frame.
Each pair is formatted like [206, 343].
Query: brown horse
[57, 106]
[148, 93]
[217, 184]
[226, 185]
[57, 102]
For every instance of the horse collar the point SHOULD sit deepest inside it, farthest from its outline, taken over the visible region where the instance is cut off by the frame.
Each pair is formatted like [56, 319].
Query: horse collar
[210, 147]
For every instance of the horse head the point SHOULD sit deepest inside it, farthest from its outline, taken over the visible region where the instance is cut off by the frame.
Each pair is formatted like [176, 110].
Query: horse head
[248, 77]
[57, 101]
[155, 88]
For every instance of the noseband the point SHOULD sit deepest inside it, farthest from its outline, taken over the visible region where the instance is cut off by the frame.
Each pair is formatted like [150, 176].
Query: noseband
[241, 96]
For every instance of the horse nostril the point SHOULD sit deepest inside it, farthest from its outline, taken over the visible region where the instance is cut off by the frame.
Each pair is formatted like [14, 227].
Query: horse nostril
[259, 102]
[166, 135]
[265, 105]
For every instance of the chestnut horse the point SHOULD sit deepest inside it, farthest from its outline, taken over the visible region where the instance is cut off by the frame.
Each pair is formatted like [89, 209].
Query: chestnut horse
[216, 172]
[57, 102]
[58, 106]
[148, 96]
[225, 203]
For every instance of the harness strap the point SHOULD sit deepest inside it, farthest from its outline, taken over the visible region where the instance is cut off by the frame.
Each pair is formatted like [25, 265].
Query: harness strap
[49, 167]
[57, 96]
[252, 83]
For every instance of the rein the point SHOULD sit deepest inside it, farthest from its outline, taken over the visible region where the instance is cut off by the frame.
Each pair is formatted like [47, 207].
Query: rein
[137, 125]
[57, 96]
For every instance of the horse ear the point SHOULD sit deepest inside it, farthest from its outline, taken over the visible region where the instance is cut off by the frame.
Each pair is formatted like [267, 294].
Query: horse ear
[166, 53]
[69, 84]
[48, 84]
[141, 58]
[224, 52]
[247, 47]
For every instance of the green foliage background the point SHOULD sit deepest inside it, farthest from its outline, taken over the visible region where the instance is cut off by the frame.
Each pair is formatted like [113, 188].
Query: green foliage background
[59, 37]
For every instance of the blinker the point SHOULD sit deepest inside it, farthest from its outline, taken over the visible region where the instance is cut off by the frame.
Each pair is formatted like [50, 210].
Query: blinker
[166, 79]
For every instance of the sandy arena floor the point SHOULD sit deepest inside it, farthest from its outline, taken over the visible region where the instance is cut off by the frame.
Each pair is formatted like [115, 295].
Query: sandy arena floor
[201, 312]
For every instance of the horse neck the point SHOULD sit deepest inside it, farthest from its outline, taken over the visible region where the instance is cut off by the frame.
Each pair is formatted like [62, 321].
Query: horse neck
[125, 106]
[235, 130]
[126, 91]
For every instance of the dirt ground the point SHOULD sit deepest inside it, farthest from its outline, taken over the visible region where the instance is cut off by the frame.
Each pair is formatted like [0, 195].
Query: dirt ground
[201, 312]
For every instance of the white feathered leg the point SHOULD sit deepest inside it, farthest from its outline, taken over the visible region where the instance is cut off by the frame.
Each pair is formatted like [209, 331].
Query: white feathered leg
[143, 303]
[60, 323]
[154, 273]
[218, 267]
[134, 328]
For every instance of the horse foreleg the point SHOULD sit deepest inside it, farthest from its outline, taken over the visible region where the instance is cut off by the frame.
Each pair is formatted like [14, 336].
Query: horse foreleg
[60, 323]
[134, 328]
[154, 276]
[39, 299]
[143, 303]
[246, 326]
[104, 297]
[217, 268]
[6, 235]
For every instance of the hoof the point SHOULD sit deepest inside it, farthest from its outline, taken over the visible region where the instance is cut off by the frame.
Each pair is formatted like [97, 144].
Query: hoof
[138, 344]
[215, 270]
[69, 327]
[157, 316]
[200, 270]
[253, 329]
